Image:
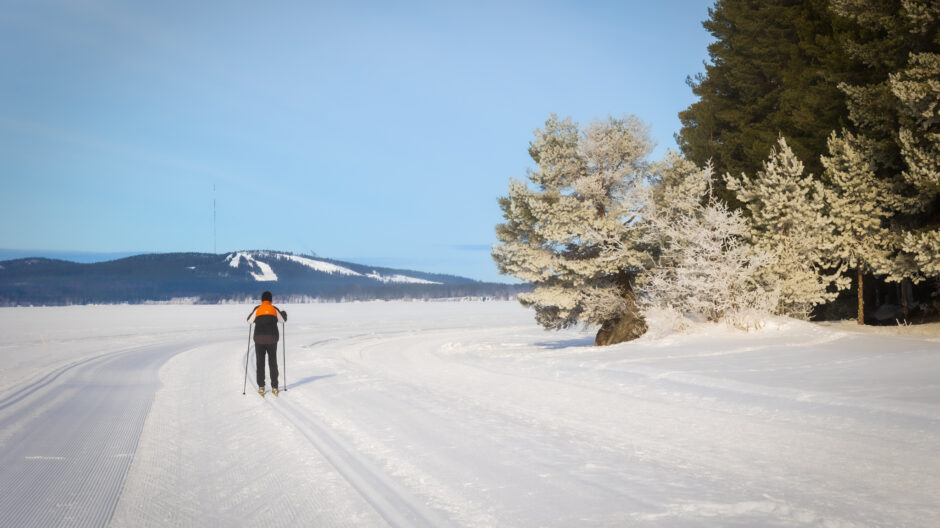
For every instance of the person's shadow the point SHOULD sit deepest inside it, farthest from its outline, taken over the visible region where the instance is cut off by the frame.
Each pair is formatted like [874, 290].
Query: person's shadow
[308, 379]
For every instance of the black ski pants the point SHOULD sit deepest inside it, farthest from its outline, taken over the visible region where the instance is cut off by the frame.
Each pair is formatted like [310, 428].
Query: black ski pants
[271, 351]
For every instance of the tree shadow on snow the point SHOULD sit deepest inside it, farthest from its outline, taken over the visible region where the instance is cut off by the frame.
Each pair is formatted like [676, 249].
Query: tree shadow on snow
[308, 379]
[566, 343]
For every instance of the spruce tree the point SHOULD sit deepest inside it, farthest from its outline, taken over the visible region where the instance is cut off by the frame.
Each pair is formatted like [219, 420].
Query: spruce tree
[773, 71]
[588, 190]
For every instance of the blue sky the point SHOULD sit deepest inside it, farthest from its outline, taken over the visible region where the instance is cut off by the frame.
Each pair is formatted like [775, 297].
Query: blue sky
[376, 132]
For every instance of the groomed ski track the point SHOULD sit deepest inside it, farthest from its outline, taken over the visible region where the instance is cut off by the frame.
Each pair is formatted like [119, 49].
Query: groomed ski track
[389, 501]
[70, 436]
[466, 414]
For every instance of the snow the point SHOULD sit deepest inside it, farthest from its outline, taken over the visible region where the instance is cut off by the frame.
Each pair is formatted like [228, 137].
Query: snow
[267, 273]
[461, 414]
[235, 258]
[398, 278]
[319, 265]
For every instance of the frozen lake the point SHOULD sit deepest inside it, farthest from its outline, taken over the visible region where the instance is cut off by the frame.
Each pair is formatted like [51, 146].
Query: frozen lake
[460, 414]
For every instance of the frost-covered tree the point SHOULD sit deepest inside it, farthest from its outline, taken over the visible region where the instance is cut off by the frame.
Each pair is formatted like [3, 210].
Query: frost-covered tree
[893, 104]
[925, 248]
[918, 90]
[880, 36]
[788, 223]
[701, 264]
[587, 192]
[859, 206]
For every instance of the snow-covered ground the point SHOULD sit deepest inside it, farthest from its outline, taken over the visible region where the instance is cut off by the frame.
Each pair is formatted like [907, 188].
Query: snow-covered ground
[460, 414]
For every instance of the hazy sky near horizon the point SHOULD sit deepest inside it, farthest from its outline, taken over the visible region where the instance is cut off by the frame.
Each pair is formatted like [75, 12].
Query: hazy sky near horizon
[376, 132]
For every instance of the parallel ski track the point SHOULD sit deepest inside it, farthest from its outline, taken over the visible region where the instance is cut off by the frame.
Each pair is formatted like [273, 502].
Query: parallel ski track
[78, 429]
[395, 505]
[25, 390]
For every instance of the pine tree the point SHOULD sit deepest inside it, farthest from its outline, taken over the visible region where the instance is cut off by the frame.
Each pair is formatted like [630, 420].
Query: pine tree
[774, 69]
[859, 206]
[588, 191]
[881, 35]
[918, 90]
[788, 222]
[893, 104]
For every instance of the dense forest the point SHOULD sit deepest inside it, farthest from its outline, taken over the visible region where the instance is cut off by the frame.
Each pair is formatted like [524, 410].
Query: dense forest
[853, 87]
[807, 182]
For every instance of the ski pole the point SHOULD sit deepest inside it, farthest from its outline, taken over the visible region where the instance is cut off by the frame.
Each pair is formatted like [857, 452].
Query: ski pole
[247, 350]
[284, 333]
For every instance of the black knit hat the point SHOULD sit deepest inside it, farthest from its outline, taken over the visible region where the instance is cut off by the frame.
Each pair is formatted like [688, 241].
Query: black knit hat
[266, 296]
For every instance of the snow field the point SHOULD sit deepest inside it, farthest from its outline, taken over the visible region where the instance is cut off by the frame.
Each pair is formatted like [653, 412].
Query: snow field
[469, 414]
[209, 456]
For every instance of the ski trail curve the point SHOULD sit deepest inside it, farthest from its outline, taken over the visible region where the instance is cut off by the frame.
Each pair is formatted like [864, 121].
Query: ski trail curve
[24, 392]
[396, 506]
[71, 438]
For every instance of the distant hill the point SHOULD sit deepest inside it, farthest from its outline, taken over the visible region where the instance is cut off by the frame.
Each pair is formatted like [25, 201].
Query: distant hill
[212, 278]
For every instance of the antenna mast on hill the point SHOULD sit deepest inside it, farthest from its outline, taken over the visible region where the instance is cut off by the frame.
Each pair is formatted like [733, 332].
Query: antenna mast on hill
[213, 220]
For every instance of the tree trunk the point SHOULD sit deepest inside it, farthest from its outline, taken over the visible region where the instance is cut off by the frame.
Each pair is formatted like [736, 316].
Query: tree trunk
[861, 297]
[628, 326]
[905, 287]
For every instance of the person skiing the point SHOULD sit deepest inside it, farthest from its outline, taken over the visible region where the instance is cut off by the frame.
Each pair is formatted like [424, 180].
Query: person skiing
[265, 317]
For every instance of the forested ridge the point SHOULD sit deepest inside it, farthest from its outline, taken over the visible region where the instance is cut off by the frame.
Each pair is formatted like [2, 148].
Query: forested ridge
[212, 278]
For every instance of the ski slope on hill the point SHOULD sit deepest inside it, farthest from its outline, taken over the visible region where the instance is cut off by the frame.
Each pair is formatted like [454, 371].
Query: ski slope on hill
[460, 414]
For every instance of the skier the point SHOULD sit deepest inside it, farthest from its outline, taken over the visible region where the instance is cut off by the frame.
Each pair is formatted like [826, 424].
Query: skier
[265, 316]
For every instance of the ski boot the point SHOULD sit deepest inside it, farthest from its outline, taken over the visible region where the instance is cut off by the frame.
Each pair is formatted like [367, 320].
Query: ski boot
[261, 391]
[274, 390]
